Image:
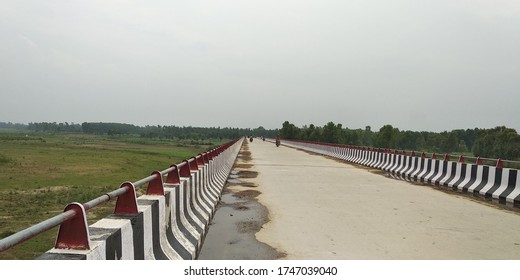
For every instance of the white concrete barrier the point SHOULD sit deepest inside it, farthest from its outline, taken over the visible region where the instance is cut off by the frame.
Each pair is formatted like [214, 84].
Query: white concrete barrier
[497, 184]
[168, 226]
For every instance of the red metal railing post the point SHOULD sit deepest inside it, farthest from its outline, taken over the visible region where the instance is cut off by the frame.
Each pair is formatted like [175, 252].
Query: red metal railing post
[200, 160]
[156, 186]
[185, 169]
[193, 164]
[126, 203]
[73, 234]
[173, 177]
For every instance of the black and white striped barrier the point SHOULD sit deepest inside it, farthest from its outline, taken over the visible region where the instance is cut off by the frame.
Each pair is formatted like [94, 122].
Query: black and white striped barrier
[169, 222]
[494, 183]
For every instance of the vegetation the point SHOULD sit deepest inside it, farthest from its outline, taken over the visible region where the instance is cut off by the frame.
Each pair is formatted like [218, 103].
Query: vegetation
[40, 173]
[500, 142]
[164, 132]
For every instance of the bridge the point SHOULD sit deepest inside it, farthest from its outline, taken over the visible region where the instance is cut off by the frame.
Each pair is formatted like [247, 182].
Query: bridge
[329, 201]
[321, 201]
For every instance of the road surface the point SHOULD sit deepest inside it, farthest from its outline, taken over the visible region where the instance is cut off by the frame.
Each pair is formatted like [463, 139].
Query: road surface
[284, 203]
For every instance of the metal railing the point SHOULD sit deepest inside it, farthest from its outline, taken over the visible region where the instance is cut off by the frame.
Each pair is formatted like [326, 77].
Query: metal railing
[76, 211]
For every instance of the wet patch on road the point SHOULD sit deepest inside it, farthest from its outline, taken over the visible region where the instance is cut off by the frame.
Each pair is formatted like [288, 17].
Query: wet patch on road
[249, 194]
[247, 174]
[246, 184]
[239, 216]
[243, 165]
[244, 154]
[249, 226]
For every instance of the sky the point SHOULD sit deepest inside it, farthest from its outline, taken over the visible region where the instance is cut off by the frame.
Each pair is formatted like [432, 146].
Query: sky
[423, 65]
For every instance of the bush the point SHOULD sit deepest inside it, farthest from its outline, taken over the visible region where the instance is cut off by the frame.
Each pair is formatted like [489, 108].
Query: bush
[4, 159]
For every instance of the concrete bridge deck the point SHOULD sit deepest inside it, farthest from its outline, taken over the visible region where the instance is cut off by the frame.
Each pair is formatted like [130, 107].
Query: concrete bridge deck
[306, 206]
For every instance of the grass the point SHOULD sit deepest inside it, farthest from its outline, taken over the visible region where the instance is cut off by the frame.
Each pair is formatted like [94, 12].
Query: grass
[40, 174]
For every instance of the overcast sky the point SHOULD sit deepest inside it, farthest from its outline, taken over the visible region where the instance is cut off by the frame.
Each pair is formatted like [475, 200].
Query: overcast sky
[415, 64]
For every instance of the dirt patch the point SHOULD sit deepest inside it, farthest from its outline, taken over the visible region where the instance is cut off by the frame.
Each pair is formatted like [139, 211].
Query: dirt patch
[376, 171]
[243, 165]
[248, 194]
[245, 156]
[279, 255]
[247, 174]
[241, 207]
[249, 226]
[242, 184]
[225, 191]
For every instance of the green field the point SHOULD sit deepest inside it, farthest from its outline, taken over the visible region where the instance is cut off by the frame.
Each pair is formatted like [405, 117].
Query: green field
[41, 173]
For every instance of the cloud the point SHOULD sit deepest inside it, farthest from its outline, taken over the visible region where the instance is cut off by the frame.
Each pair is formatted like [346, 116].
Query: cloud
[28, 42]
[432, 65]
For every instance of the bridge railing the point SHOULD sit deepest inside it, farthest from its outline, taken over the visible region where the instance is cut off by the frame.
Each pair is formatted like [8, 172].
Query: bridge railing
[485, 178]
[201, 179]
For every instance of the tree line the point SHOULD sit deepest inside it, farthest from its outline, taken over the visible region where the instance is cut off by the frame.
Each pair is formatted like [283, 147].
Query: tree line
[498, 142]
[158, 131]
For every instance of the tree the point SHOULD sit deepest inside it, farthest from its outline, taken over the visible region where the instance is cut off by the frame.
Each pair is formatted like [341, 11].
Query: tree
[260, 131]
[506, 144]
[288, 131]
[329, 134]
[387, 137]
[449, 142]
[314, 133]
[499, 142]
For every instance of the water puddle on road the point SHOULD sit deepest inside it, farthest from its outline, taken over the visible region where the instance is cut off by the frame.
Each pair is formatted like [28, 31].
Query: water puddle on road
[239, 216]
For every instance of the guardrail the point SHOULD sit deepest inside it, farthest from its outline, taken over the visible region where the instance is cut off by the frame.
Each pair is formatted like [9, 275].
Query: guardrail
[169, 222]
[492, 182]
